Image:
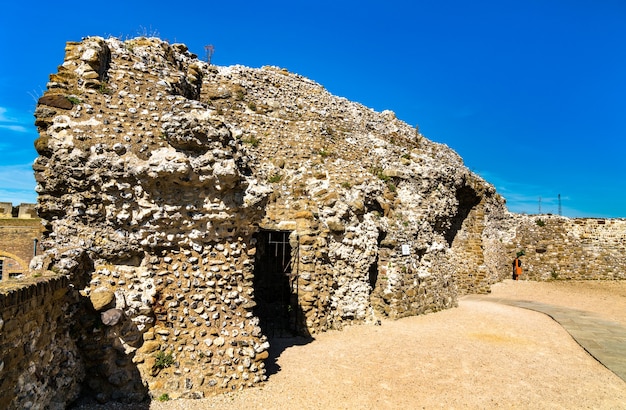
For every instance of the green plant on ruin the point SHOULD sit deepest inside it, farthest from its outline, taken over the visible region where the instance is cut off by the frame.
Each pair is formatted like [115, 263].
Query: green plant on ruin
[275, 178]
[378, 171]
[324, 153]
[239, 93]
[418, 137]
[74, 100]
[391, 186]
[104, 88]
[346, 185]
[554, 274]
[164, 397]
[252, 140]
[328, 131]
[163, 360]
[406, 156]
[540, 222]
[252, 106]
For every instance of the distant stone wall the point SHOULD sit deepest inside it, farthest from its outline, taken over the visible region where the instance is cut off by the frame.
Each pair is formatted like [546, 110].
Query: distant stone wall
[20, 238]
[7, 210]
[39, 365]
[562, 248]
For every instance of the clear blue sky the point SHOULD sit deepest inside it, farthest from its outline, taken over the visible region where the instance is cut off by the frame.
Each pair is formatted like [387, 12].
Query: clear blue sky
[531, 93]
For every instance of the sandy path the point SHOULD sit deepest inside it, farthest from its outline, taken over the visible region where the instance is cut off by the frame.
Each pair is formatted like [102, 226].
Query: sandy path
[479, 355]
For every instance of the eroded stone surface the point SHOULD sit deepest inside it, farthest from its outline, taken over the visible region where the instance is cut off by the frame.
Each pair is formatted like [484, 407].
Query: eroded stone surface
[154, 185]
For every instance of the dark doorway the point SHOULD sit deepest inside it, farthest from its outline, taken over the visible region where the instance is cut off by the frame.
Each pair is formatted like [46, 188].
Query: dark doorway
[275, 285]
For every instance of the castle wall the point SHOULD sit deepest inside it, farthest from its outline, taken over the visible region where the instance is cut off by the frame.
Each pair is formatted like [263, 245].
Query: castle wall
[20, 238]
[39, 364]
[6, 210]
[562, 248]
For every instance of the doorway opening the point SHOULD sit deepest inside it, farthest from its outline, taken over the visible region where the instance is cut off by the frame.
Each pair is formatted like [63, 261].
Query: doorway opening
[275, 284]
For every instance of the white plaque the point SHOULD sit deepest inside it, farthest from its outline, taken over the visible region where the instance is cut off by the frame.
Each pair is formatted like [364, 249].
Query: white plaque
[406, 250]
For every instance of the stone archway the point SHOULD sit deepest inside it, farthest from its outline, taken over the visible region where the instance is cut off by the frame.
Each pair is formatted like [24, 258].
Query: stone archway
[22, 265]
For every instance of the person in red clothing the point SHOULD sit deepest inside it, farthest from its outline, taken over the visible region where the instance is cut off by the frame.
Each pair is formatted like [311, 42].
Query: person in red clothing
[517, 266]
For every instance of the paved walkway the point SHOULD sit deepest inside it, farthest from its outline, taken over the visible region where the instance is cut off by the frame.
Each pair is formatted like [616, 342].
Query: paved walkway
[604, 340]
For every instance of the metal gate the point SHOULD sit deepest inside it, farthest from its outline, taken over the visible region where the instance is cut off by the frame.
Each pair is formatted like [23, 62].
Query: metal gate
[275, 284]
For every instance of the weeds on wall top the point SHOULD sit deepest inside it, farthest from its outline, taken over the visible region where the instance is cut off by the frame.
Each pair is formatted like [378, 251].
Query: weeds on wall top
[209, 50]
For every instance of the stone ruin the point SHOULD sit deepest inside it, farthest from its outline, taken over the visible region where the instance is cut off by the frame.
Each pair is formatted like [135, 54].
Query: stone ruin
[201, 211]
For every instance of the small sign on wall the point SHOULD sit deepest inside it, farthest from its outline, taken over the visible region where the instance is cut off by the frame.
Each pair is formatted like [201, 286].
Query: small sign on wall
[406, 250]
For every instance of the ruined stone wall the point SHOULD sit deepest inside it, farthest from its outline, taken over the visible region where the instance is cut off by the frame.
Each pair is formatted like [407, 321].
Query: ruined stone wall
[563, 248]
[479, 251]
[162, 179]
[39, 362]
[153, 229]
[158, 176]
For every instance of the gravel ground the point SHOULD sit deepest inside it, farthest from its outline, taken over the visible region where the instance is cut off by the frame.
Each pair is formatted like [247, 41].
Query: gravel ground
[479, 355]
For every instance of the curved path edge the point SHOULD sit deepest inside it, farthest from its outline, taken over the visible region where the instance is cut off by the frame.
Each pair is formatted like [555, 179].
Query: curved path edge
[602, 339]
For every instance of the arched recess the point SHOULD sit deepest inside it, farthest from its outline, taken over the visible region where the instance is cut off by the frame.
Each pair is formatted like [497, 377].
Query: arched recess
[20, 261]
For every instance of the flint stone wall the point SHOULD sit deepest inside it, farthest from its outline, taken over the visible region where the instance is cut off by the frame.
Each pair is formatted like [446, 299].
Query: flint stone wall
[39, 362]
[157, 172]
[563, 248]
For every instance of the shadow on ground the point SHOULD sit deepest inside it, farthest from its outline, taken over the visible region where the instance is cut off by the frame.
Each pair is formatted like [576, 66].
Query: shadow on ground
[277, 346]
